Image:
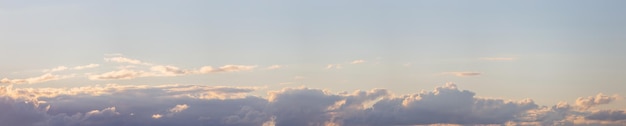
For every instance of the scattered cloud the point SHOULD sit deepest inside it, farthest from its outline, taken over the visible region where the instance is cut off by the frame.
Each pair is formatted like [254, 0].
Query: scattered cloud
[463, 74]
[43, 78]
[357, 62]
[206, 105]
[498, 58]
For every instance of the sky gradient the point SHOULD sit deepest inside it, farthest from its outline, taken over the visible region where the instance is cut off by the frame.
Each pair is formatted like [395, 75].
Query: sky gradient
[557, 53]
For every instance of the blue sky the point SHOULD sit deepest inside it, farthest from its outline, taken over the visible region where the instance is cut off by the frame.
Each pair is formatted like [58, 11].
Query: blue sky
[548, 51]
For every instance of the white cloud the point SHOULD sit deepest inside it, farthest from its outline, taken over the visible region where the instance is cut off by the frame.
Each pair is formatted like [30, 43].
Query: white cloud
[463, 74]
[43, 78]
[86, 66]
[59, 68]
[234, 68]
[119, 59]
[119, 74]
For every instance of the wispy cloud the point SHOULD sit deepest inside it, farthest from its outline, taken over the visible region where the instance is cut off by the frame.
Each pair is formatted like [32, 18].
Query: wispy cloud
[120, 59]
[119, 74]
[86, 66]
[357, 62]
[273, 67]
[43, 78]
[498, 58]
[59, 68]
[463, 74]
[333, 66]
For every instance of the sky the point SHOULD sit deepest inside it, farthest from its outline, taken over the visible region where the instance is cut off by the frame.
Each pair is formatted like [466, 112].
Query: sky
[157, 62]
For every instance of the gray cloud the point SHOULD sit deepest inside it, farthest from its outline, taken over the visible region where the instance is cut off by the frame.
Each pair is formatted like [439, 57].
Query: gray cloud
[129, 105]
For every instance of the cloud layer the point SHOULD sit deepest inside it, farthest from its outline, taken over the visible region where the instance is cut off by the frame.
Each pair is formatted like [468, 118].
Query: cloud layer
[127, 105]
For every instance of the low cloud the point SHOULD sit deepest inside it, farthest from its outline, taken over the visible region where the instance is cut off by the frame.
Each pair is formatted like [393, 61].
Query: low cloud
[128, 105]
[333, 66]
[463, 74]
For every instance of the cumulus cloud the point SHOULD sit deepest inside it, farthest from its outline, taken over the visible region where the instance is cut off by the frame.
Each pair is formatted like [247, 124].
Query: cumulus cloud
[588, 102]
[463, 74]
[498, 58]
[129, 105]
[43, 78]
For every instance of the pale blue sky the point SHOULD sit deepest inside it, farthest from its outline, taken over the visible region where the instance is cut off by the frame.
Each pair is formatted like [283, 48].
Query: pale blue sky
[561, 49]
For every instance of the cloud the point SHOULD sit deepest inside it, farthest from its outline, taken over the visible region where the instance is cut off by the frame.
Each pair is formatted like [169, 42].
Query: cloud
[119, 59]
[234, 68]
[357, 62]
[588, 102]
[463, 74]
[59, 68]
[273, 67]
[43, 78]
[333, 66]
[169, 70]
[498, 58]
[86, 66]
[119, 74]
[161, 105]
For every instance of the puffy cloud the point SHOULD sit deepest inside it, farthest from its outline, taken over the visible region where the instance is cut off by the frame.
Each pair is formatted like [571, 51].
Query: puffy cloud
[357, 61]
[498, 58]
[86, 66]
[128, 105]
[588, 102]
[463, 74]
[444, 105]
[43, 78]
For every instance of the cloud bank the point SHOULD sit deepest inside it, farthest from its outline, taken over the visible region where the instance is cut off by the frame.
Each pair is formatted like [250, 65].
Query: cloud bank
[129, 105]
